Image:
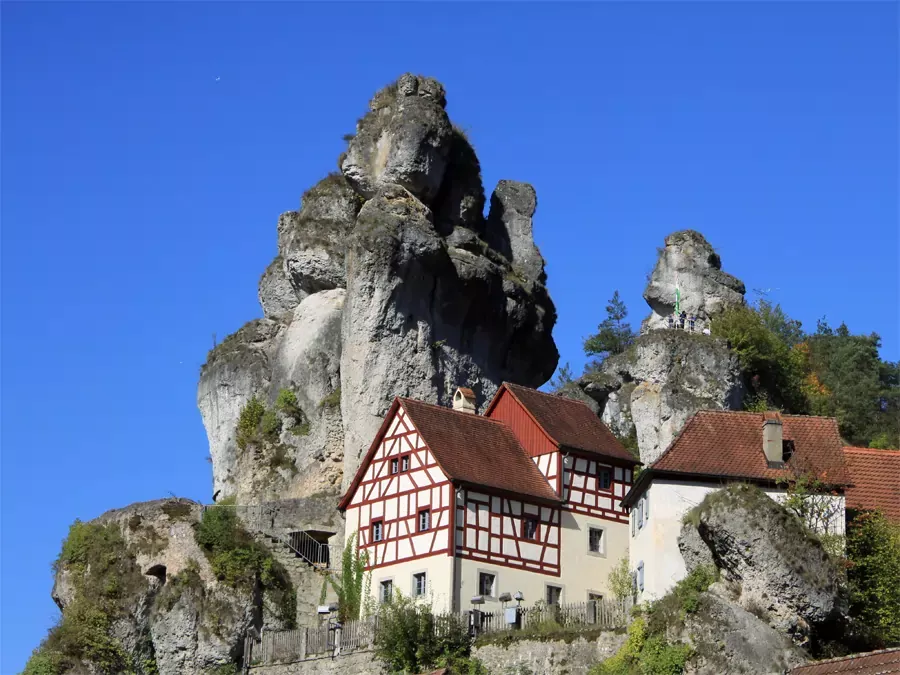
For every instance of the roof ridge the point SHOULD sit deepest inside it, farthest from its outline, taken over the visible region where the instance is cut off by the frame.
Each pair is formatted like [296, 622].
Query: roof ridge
[468, 415]
[544, 393]
[750, 412]
[873, 451]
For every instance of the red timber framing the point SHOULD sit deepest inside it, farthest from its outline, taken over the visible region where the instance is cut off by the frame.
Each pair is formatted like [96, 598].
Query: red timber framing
[582, 491]
[385, 493]
[491, 529]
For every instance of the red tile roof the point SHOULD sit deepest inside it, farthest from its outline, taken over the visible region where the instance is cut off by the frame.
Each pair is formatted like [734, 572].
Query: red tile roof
[477, 450]
[872, 663]
[729, 444]
[875, 475]
[570, 423]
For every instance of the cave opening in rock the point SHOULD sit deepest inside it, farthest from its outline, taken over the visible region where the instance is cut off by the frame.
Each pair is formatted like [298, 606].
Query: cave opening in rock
[158, 571]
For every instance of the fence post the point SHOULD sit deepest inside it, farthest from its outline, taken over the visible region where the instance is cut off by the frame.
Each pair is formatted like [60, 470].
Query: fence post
[303, 633]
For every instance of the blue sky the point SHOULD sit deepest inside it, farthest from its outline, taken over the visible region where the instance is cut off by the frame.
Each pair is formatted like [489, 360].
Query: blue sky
[140, 194]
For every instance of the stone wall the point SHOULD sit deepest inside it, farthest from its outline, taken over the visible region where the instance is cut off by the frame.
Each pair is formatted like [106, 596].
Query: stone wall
[538, 657]
[357, 663]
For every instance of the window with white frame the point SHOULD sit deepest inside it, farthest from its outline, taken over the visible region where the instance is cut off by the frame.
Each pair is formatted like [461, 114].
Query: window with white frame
[633, 521]
[419, 584]
[646, 507]
[395, 465]
[529, 527]
[640, 513]
[596, 541]
[404, 463]
[554, 594]
[377, 530]
[386, 590]
[640, 575]
[424, 519]
[486, 583]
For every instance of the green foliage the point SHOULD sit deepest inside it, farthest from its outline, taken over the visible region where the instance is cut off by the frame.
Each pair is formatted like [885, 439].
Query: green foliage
[683, 599]
[873, 548]
[248, 422]
[238, 560]
[620, 579]
[270, 425]
[630, 443]
[187, 579]
[626, 659]
[106, 581]
[659, 657]
[772, 370]
[333, 400]
[411, 639]
[352, 582]
[613, 335]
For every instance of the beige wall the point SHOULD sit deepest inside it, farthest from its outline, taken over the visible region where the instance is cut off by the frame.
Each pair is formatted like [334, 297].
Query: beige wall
[582, 570]
[439, 571]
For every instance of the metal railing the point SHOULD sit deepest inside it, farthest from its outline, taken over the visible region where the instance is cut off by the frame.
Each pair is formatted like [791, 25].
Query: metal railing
[332, 639]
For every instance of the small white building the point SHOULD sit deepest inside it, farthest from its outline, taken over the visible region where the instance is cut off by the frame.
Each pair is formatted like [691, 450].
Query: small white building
[716, 448]
[526, 498]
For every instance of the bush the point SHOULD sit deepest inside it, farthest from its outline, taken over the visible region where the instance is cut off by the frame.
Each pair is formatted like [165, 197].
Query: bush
[333, 400]
[248, 422]
[873, 548]
[645, 653]
[620, 582]
[238, 560]
[411, 639]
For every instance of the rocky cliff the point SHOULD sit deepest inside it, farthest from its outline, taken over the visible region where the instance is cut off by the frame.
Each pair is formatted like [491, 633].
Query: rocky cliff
[671, 371]
[388, 281]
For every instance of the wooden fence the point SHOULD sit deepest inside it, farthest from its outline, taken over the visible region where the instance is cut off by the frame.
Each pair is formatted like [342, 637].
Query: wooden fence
[332, 639]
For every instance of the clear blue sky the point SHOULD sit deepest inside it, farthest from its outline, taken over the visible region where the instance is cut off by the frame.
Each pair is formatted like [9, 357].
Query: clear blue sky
[140, 195]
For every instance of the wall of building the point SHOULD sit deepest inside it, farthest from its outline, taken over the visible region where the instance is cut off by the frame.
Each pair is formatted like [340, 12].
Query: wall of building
[585, 571]
[656, 543]
[439, 579]
[508, 580]
[583, 492]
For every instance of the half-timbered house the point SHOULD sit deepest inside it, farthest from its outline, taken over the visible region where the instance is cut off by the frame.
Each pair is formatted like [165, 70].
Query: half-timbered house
[525, 498]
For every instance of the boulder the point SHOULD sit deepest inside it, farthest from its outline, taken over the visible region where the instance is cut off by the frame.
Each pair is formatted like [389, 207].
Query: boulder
[783, 571]
[276, 293]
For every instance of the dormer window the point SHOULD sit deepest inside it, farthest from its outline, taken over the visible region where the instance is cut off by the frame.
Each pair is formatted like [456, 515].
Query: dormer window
[787, 450]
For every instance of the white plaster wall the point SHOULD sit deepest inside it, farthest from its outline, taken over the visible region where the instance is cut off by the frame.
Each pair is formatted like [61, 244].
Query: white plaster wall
[583, 571]
[656, 544]
[438, 567]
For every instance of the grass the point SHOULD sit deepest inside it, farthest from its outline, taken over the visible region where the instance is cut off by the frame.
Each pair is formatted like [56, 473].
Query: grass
[333, 400]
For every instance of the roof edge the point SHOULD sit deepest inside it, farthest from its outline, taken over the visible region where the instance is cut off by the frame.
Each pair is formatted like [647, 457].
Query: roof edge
[357, 478]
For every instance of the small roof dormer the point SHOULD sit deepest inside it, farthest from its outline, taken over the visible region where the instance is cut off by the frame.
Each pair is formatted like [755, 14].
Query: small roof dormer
[464, 400]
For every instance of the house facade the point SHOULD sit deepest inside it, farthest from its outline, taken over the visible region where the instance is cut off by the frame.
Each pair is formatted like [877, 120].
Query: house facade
[526, 498]
[716, 448]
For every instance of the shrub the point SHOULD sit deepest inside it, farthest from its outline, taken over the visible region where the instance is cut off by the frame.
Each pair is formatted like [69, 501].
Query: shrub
[238, 560]
[351, 586]
[620, 582]
[270, 426]
[873, 548]
[249, 420]
[411, 639]
[176, 510]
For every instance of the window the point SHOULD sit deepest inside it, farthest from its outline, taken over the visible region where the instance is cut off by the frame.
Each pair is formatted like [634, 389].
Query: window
[646, 507]
[486, 584]
[594, 597]
[404, 463]
[419, 584]
[640, 513]
[377, 530]
[595, 540]
[395, 465]
[633, 521]
[640, 576]
[386, 591]
[603, 479]
[424, 519]
[529, 528]
[554, 595]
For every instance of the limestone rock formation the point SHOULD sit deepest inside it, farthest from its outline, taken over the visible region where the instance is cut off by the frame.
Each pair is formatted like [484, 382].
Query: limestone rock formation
[689, 264]
[783, 573]
[389, 281]
[668, 374]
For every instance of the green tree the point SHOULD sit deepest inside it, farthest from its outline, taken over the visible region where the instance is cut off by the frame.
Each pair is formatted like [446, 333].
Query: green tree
[873, 548]
[620, 582]
[613, 335]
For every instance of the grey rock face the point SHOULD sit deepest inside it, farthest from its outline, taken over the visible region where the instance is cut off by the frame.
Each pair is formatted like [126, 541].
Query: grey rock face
[693, 549]
[729, 639]
[404, 139]
[664, 378]
[669, 374]
[422, 318]
[510, 228]
[784, 573]
[276, 294]
[312, 241]
[429, 304]
[689, 263]
[300, 352]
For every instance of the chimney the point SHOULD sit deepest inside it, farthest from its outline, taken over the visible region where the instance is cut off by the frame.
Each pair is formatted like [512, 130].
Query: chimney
[773, 435]
[464, 400]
